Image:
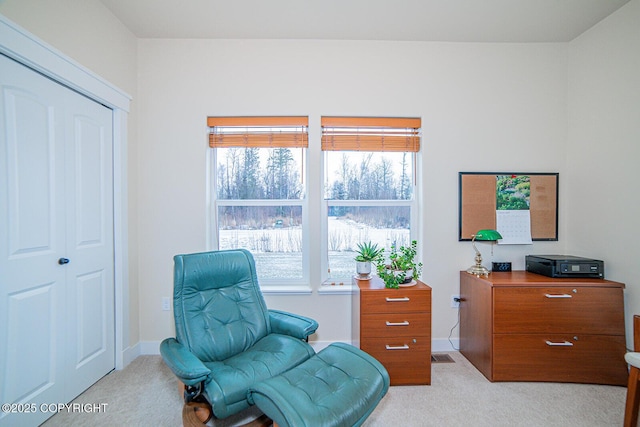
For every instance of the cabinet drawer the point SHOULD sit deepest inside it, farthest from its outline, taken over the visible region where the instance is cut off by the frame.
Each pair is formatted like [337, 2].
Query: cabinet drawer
[395, 301]
[594, 359]
[590, 310]
[407, 362]
[395, 324]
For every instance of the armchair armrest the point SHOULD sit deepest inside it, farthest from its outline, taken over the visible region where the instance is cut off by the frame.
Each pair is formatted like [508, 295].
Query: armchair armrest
[184, 364]
[292, 324]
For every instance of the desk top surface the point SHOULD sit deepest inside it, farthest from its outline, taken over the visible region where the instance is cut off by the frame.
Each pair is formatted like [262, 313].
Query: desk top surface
[376, 283]
[521, 277]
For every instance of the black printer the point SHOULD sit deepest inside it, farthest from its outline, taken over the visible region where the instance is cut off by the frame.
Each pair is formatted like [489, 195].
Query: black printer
[564, 266]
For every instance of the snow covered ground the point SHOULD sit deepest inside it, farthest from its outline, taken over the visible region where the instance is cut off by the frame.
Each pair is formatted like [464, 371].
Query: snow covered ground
[278, 251]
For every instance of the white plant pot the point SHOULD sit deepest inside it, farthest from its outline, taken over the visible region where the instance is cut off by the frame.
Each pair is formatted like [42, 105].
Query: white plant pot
[405, 276]
[363, 268]
[409, 274]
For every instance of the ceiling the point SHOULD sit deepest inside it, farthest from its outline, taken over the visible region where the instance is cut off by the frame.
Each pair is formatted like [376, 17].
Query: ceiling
[408, 20]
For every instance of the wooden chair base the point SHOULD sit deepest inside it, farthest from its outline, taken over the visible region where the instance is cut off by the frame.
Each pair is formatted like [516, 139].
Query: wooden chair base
[196, 414]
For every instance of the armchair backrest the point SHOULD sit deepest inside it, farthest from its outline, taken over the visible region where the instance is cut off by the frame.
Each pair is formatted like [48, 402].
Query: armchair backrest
[218, 307]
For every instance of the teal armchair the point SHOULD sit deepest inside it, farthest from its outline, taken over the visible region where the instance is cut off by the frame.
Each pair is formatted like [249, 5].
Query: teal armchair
[226, 338]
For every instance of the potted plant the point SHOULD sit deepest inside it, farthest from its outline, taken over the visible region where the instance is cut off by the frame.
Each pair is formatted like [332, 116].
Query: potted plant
[366, 253]
[401, 268]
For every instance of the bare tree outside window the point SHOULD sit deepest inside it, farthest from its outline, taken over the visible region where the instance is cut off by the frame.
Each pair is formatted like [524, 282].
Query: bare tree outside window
[259, 207]
[370, 198]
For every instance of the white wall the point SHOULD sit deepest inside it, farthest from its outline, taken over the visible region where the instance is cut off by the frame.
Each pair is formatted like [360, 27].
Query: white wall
[88, 33]
[603, 208]
[84, 30]
[484, 107]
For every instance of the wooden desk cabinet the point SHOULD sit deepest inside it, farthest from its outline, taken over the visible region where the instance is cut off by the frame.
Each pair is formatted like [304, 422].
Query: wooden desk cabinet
[521, 326]
[395, 328]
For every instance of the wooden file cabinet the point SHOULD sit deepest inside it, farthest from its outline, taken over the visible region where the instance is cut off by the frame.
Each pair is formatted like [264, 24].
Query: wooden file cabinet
[395, 328]
[521, 326]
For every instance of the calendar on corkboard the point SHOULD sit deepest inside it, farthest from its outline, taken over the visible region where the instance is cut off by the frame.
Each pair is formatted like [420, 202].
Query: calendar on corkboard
[524, 205]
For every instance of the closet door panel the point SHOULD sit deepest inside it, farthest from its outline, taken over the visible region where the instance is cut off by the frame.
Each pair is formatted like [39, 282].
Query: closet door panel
[92, 180]
[32, 239]
[90, 291]
[31, 313]
[33, 179]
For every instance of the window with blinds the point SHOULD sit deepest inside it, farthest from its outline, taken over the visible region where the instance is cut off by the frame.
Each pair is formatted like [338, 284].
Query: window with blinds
[369, 184]
[259, 195]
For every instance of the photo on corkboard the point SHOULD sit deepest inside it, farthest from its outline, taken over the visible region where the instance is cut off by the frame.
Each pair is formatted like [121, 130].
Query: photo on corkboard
[513, 192]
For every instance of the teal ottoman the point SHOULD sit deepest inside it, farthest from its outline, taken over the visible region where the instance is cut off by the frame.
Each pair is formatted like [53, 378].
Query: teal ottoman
[339, 386]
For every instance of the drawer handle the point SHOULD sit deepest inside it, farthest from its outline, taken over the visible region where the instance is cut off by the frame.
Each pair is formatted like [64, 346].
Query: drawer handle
[397, 347]
[558, 296]
[405, 323]
[398, 299]
[560, 344]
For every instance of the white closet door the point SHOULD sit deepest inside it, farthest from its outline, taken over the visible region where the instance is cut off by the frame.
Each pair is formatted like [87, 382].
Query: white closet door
[90, 352]
[32, 238]
[56, 318]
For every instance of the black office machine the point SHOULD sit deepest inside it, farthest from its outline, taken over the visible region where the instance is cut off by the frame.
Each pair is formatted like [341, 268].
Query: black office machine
[564, 266]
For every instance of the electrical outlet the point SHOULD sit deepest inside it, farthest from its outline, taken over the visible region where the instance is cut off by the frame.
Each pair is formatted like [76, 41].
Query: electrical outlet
[166, 304]
[455, 301]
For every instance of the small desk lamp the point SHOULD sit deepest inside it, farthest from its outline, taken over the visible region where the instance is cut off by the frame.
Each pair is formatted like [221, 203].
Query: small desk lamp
[484, 235]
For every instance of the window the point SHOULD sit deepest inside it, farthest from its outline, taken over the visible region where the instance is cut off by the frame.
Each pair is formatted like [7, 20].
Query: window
[259, 196]
[370, 183]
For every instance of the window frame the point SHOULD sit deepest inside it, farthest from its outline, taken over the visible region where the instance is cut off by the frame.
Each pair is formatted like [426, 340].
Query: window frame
[412, 203]
[314, 196]
[368, 134]
[277, 285]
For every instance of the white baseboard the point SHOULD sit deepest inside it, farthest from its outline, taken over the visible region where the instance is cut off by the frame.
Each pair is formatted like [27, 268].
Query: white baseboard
[321, 345]
[129, 354]
[443, 344]
[139, 349]
[153, 347]
[149, 347]
[437, 345]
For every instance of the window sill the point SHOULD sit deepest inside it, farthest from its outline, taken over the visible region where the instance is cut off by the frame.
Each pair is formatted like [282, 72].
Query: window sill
[285, 289]
[337, 289]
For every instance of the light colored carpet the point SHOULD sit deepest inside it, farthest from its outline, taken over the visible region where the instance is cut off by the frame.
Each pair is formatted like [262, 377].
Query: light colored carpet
[145, 394]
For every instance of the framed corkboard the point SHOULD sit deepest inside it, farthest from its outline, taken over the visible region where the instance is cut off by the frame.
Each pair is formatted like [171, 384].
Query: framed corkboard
[479, 198]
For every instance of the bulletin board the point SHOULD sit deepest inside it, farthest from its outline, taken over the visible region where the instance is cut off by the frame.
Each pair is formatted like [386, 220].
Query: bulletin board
[478, 203]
